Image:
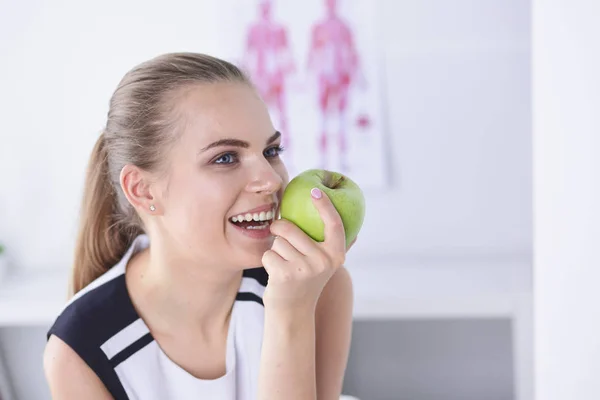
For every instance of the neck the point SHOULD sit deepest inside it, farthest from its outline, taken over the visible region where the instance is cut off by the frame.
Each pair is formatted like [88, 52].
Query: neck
[177, 294]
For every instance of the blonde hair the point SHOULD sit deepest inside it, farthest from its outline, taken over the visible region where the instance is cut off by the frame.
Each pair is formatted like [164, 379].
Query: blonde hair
[140, 126]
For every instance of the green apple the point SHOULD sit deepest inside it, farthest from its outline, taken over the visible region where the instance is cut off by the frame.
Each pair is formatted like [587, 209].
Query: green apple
[345, 194]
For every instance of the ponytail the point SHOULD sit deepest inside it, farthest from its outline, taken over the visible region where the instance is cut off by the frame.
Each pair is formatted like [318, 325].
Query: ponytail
[139, 127]
[101, 240]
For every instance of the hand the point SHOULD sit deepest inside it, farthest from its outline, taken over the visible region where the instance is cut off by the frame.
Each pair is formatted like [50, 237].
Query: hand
[298, 266]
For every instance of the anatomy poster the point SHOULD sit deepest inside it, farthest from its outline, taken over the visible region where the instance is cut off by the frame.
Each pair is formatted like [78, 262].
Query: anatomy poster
[317, 65]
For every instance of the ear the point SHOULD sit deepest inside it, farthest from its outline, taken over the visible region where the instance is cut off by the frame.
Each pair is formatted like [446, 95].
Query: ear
[137, 185]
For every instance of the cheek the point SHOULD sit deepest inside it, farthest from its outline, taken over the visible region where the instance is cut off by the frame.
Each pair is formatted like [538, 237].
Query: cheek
[283, 173]
[198, 207]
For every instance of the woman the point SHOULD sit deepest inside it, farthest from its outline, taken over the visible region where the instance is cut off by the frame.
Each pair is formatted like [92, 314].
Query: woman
[178, 238]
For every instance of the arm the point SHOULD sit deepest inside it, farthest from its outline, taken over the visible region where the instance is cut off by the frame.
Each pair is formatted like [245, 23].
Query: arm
[250, 39]
[334, 332]
[358, 73]
[314, 43]
[291, 354]
[285, 48]
[299, 270]
[68, 376]
[349, 43]
[287, 368]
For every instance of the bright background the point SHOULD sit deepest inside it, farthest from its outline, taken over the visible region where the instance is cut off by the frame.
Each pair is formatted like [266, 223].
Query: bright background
[443, 267]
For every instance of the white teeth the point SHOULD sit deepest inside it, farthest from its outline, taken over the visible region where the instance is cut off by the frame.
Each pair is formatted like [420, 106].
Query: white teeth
[257, 227]
[248, 217]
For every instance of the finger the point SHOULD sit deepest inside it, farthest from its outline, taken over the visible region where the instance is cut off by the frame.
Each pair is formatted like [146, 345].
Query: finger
[288, 252]
[335, 236]
[273, 263]
[295, 236]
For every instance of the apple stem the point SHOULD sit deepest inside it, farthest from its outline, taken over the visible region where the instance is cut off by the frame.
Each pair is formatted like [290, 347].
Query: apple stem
[331, 182]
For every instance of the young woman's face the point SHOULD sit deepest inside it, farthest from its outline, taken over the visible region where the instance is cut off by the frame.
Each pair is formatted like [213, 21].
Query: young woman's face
[225, 165]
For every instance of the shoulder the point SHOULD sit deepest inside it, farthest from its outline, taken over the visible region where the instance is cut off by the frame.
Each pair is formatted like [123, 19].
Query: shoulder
[317, 28]
[252, 32]
[68, 375]
[101, 309]
[79, 337]
[281, 30]
[95, 313]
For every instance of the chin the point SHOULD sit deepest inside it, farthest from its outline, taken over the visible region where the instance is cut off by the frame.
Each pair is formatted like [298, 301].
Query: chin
[251, 262]
[252, 257]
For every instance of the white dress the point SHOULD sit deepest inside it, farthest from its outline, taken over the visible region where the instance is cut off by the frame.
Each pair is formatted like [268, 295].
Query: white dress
[102, 326]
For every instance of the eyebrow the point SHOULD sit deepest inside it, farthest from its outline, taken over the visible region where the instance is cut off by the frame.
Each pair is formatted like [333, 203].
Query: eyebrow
[237, 142]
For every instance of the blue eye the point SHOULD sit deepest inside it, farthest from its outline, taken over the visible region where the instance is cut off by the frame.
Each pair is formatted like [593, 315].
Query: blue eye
[227, 158]
[273, 152]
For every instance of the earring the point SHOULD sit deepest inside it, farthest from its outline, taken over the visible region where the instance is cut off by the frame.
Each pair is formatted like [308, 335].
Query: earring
[152, 208]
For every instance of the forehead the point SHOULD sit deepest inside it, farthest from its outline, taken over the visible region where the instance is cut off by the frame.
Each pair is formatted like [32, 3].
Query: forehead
[218, 110]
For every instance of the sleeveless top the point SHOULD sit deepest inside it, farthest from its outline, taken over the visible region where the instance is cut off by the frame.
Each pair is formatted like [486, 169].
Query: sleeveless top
[101, 325]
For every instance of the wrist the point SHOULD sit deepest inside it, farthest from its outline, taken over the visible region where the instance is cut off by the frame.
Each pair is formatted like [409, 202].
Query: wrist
[291, 319]
[283, 306]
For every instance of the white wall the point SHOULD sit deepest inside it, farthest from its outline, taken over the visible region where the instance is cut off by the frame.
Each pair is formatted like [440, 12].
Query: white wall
[566, 68]
[458, 107]
[65, 58]
[458, 96]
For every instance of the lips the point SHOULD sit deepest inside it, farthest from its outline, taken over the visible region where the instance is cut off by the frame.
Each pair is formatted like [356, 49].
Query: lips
[255, 222]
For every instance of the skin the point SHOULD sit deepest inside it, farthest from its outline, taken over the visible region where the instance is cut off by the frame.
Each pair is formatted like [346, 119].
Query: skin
[185, 284]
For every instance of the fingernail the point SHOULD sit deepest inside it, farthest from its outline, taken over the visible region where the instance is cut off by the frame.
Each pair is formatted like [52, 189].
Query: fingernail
[316, 193]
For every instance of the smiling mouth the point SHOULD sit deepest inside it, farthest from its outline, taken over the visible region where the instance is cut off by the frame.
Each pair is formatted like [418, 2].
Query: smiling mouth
[254, 221]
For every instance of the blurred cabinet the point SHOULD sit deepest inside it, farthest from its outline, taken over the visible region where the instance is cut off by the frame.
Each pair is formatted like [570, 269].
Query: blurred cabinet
[439, 295]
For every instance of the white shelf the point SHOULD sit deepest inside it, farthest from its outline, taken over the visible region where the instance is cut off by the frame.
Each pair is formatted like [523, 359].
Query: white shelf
[382, 290]
[400, 289]
[32, 297]
[417, 289]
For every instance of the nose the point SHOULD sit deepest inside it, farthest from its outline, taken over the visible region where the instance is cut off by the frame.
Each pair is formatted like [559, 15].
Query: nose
[264, 179]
